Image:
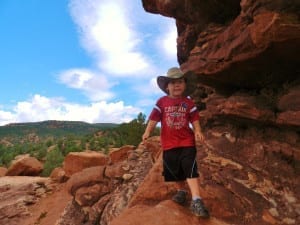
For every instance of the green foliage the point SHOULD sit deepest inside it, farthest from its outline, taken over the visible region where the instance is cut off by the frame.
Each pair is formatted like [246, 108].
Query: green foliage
[100, 143]
[53, 159]
[38, 151]
[131, 133]
[6, 155]
[49, 143]
[69, 144]
[51, 128]
[53, 144]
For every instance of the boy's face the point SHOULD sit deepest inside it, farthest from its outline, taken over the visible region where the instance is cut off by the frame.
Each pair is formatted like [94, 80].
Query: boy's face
[176, 87]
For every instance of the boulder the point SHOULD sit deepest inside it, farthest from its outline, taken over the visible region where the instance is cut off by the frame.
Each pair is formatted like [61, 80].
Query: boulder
[77, 161]
[25, 166]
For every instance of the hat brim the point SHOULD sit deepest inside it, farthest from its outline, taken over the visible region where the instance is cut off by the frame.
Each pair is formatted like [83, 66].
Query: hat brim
[162, 82]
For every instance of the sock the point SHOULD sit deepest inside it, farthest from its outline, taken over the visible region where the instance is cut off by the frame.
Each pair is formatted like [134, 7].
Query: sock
[196, 197]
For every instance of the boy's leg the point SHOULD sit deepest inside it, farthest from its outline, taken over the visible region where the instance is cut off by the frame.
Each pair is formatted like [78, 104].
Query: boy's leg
[181, 195]
[197, 206]
[194, 187]
[173, 173]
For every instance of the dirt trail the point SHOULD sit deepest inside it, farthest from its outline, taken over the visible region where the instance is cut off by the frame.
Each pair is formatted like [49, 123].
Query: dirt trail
[48, 209]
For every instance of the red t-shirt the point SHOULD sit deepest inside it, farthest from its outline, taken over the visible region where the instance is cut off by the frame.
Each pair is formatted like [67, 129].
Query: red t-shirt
[175, 115]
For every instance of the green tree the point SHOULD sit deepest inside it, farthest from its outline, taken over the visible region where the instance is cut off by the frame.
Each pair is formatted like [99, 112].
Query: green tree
[39, 151]
[6, 155]
[131, 133]
[141, 118]
[49, 142]
[54, 159]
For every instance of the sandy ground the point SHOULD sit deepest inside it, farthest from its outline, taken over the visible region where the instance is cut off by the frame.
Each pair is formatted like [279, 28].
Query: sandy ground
[49, 208]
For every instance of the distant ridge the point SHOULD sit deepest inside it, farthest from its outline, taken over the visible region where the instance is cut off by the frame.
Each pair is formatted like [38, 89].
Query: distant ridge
[54, 128]
[58, 122]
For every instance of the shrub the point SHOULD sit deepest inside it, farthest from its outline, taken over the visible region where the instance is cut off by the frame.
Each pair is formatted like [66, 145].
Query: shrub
[54, 159]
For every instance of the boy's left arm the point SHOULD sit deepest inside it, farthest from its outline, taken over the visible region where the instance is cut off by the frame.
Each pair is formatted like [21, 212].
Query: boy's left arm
[197, 131]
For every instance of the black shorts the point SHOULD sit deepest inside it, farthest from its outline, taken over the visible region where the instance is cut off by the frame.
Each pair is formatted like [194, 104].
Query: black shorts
[180, 164]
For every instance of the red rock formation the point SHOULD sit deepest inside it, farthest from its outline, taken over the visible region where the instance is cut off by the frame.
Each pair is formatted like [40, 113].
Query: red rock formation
[243, 59]
[24, 165]
[17, 194]
[104, 191]
[3, 171]
[120, 154]
[77, 161]
[90, 195]
[58, 175]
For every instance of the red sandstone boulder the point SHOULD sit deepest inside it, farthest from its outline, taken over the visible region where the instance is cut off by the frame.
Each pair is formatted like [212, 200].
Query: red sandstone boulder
[86, 177]
[77, 161]
[153, 145]
[3, 171]
[58, 175]
[25, 166]
[120, 154]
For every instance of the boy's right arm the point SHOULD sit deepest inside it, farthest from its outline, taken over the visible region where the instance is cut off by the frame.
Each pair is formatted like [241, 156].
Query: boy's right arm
[150, 127]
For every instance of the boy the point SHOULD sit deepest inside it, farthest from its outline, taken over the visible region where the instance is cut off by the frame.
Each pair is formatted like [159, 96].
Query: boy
[176, 112]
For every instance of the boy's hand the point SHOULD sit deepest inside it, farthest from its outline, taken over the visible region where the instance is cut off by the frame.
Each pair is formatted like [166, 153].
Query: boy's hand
[145, 136]
[199, 136]
[150, 126]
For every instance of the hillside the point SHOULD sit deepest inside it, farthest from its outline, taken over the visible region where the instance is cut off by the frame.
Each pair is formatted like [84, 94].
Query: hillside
[51, 141]
[51, 128]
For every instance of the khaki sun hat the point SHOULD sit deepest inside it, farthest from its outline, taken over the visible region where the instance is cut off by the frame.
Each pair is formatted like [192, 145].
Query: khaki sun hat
[172, 74]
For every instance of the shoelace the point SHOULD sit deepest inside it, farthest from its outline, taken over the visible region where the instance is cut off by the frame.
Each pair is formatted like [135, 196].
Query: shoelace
[199, 205]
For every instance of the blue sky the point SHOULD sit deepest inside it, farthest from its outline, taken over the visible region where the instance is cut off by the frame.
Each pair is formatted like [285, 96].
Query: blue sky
[81, 60]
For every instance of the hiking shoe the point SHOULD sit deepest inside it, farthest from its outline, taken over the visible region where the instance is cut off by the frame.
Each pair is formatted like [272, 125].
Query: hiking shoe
[180, 197]
[198, 208]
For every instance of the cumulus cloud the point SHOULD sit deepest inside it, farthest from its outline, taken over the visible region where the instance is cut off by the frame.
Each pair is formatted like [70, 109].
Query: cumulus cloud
[95, 87]
[151, 88]
[126, 44]
[169, 42]
[125, 41]
[109, 35]
[40, 108]
[6, 117]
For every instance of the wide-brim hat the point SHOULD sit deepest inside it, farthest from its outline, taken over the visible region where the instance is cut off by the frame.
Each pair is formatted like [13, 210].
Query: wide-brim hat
[172, 74]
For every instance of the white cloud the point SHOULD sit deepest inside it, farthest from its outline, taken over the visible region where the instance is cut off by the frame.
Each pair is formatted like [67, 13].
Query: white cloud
[126, 44]
[149, 89]
[96, 87]
[169, 42]
[40, 108]
[6, 117]
[109, 35]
